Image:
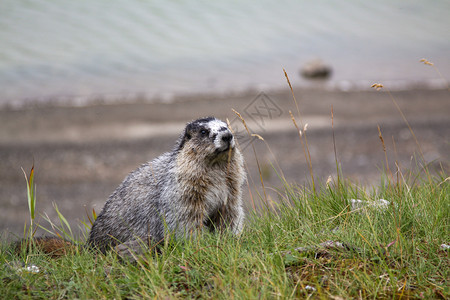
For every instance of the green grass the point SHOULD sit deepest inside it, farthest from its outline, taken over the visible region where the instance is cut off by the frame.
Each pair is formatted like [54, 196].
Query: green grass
[392, 253]
[389, 253]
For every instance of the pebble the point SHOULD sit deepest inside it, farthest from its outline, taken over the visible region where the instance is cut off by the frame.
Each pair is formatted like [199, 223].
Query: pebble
[316, 69]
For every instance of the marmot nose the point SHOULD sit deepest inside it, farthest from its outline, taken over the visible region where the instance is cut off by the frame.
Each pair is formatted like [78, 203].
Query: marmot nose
[227, 137]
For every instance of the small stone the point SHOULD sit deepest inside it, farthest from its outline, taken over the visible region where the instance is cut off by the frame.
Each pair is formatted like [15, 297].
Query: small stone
[316, 69]
[379, 204]
[310, 288]
[133, 250]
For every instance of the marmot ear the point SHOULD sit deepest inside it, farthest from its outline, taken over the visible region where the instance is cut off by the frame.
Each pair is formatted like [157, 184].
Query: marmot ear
[183, 139]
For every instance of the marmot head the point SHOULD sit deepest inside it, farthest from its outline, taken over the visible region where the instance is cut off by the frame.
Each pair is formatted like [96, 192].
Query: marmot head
[208, 137]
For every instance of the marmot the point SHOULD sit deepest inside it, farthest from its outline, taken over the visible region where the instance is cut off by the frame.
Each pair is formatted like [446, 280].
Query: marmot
[194, 187]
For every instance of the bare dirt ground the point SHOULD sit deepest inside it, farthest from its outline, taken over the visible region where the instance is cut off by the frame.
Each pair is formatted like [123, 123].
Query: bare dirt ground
[81, 154]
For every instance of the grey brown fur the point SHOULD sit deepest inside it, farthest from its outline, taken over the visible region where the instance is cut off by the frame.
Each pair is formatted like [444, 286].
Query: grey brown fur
[196, 186]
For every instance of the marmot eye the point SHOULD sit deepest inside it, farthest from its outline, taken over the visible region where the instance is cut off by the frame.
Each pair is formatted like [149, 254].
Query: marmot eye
[203, 132]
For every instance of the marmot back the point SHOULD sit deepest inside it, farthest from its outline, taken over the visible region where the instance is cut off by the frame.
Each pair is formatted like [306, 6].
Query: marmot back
[196, 186]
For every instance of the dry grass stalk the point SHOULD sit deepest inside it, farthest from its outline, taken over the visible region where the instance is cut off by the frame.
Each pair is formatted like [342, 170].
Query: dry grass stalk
[254, 152]
[384, 150]
[429, 63]
[380, 86]
[334, 145]
[426, 62]
[305, 147]
[246, 166]
[301, 134]
[377, 86]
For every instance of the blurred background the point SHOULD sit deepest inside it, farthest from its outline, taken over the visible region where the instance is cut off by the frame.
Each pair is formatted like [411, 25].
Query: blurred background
[91, 89]
[68, 50]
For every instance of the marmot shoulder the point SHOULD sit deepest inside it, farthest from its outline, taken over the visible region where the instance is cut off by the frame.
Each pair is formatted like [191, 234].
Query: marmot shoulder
[194, 187]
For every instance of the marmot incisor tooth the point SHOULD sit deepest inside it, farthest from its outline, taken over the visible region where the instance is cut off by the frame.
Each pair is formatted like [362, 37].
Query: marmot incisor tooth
[196, 185]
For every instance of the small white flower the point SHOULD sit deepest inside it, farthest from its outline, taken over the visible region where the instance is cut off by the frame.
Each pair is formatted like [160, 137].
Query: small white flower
[30, 269]
[33, 269]
[310, 288]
